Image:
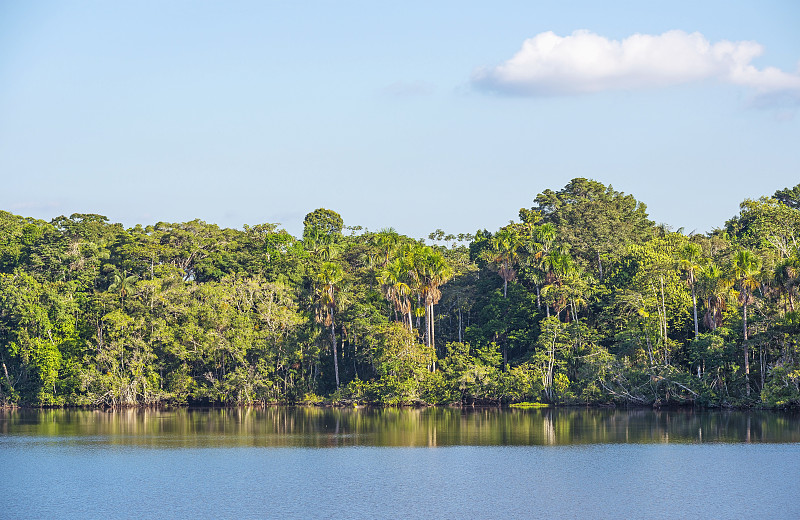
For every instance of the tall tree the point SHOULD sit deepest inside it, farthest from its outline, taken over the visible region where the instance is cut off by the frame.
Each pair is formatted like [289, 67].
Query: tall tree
[716, 291]
[597, 221]
[787, 276]
[766, 224]
[789, 196]
[744, 272]
[329, 279]
[432, 272]
[122, 285]
[539, 245]
[395, 283]
[323, 223]
[690, 262]
[504, 254]
[386, 239]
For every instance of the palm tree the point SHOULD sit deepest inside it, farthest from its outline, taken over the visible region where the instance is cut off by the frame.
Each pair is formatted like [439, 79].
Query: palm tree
[543, 240]
[432, 272]
[409, 257]
[691, 264]
[122, 284]
[504, 254]
[329, 279]
[394, 281]
[322, 246]
[567, 284]
[744, 273]
[579, 288]
[787, 275]
[386, 239]
[557, 266]
[417, 270]
[538, 247]
[716, 291]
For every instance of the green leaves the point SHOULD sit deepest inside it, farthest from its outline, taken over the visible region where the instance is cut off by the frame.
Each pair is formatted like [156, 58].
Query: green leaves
[597, 305]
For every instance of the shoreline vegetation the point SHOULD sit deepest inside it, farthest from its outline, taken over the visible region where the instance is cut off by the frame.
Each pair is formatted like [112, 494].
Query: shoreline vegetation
[584, 301]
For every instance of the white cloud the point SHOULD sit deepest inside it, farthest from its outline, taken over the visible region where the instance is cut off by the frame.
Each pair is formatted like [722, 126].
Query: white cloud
[584, 62]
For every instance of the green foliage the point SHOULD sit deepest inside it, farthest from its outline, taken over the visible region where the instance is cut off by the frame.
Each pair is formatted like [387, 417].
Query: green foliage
[322, 224]
[597, 221]
[583, 301]
[783, 388]
[471, 375]
[789, 196]
[766, 224]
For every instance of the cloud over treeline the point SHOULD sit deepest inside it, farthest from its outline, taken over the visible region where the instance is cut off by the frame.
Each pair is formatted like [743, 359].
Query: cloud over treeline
[585, 62]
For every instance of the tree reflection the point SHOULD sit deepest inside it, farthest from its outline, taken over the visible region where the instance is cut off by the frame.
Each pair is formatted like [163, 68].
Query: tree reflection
[429, 427]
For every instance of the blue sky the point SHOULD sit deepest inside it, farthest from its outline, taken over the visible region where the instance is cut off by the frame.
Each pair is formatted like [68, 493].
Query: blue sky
[417, 115]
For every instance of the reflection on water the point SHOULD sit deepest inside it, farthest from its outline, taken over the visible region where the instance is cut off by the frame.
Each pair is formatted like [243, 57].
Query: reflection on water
[333, 427]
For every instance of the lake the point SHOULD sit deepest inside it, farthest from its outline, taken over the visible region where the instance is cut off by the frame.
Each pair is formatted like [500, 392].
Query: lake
[398, 463]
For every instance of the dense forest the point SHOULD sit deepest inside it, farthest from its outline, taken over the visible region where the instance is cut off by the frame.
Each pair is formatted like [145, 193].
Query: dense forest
[584, 300]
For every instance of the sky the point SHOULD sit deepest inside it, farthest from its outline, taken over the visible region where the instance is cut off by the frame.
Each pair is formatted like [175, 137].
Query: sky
[421, 115]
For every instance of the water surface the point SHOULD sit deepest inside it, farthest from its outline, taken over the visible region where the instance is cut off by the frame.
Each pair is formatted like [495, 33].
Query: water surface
[374, 463]
[337, 427]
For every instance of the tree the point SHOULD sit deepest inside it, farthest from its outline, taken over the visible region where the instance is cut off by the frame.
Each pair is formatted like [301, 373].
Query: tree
[716, 291]
[787, 276]
[691, 264]
[504, 254]
[553, 340]
[323, 223]
[432, 271]
[539, 245]
[401, 364]
[329, 279]
[559, 267]
[744, 272]
[766, 224]
[386, 239]
[122, 284]
[396, 281]
[187, 245]
[646, 274]
[789, 196]
[597, 221]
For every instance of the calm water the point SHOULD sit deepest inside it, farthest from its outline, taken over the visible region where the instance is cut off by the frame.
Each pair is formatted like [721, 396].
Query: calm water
[430, 463]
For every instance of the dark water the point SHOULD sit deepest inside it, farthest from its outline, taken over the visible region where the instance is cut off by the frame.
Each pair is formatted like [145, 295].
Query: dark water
[331, 463]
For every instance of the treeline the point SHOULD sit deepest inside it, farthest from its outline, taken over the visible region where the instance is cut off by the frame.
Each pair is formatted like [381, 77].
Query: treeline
[584, 300]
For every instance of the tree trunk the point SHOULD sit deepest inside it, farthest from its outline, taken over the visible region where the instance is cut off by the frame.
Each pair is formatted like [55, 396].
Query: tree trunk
[459, 325]
[664, 323]
[427, 325]
[433, 330]
[550, 364]
[600, 266]
[335, 355]
[694, 306]
[99, 323]
[8, 379]
[746, 353]
[505, 287]
[433, 338]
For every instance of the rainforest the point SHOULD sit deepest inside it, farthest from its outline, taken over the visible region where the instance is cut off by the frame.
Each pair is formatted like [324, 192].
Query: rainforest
[582, 300]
